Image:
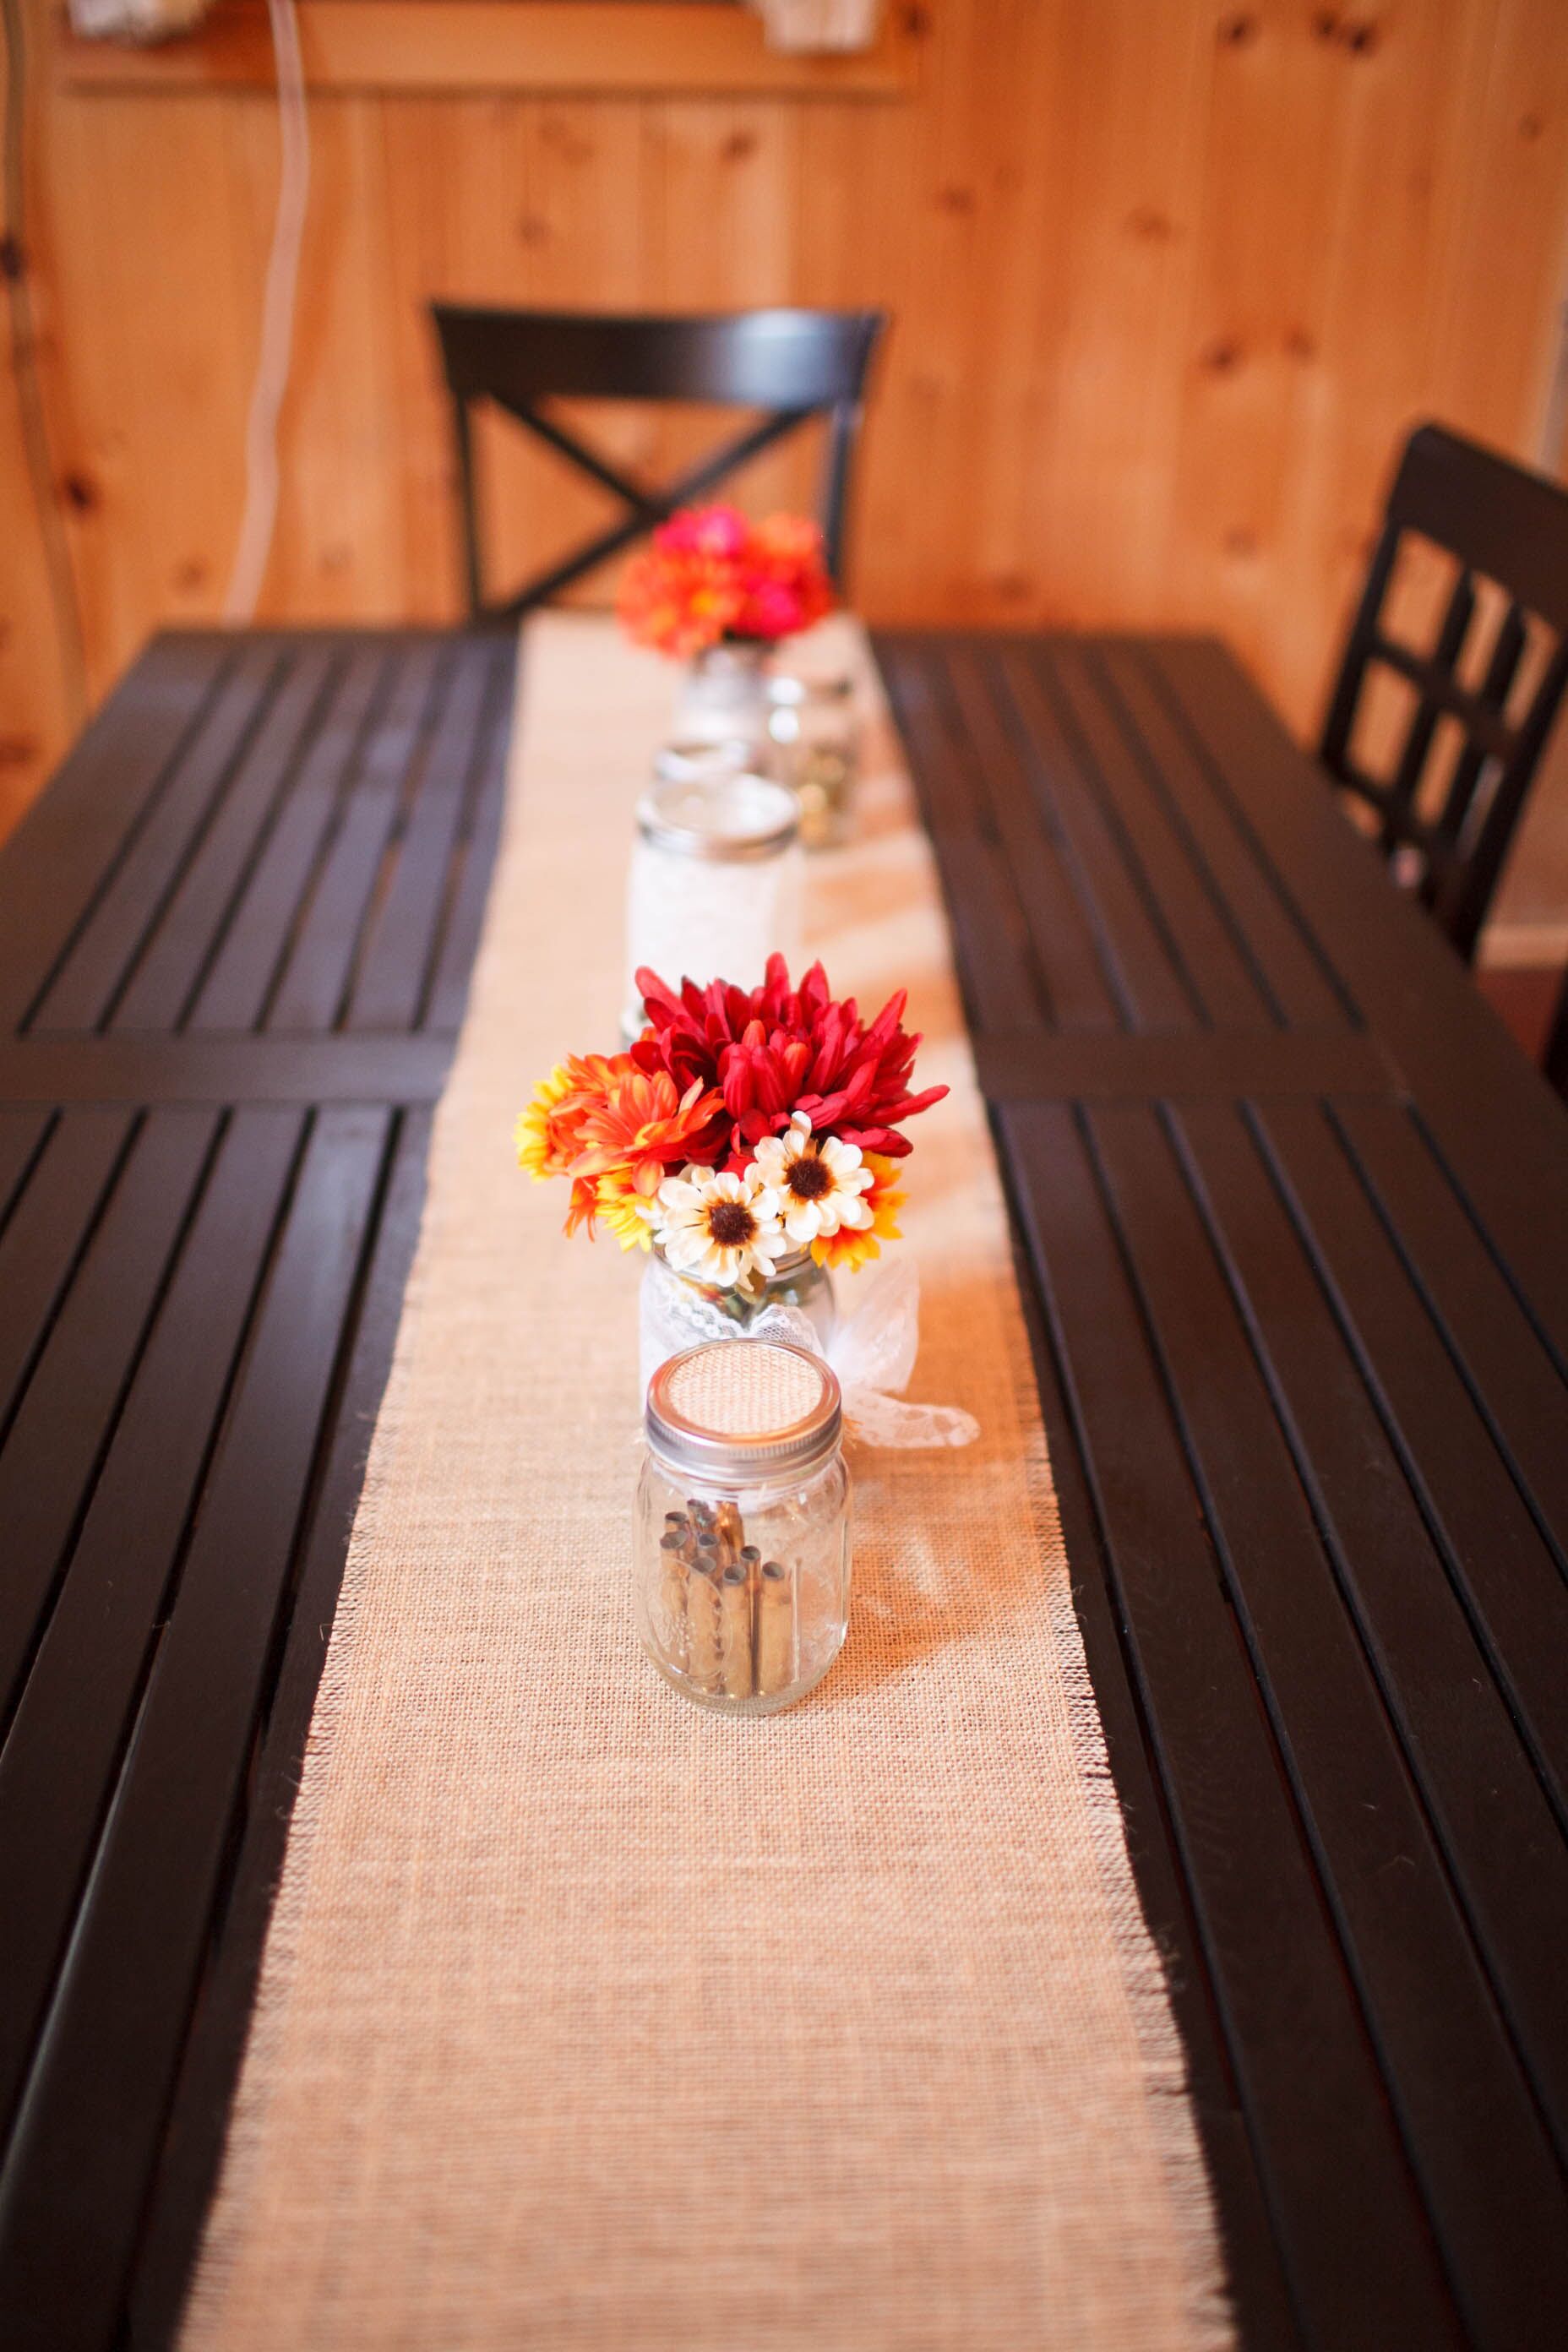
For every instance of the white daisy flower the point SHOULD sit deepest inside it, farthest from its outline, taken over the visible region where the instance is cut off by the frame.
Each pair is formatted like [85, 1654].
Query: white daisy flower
[722, 1228]
[818, 1185]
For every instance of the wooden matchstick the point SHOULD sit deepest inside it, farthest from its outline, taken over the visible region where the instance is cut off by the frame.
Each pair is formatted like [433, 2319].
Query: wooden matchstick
[775, 1629]
[752, 1561]
[735, 1631]
[672, 1548]
[703, 1643]
[731, 1533]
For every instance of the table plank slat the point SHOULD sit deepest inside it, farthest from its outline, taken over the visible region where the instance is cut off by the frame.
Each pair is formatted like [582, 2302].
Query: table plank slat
[84, 988]
[85, 2149]
[61, 1758]
[1489, 2173]
[1353, 2233]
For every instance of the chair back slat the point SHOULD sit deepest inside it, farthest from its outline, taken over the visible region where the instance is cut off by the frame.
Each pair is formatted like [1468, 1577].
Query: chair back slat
[1465, 893]
[1334, 746]
[1502, 524]
[1424, 719]
[1507, 652]
[743, 358]
[793, 365]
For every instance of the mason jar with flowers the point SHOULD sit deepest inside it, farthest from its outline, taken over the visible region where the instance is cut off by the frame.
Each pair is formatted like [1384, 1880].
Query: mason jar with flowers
[749, 1141]
[717, 591]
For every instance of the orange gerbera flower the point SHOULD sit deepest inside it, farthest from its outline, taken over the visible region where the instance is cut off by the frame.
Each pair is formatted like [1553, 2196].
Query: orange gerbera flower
[638, 1123]
[549, 1133]
[850, 1247]
[616, 1133]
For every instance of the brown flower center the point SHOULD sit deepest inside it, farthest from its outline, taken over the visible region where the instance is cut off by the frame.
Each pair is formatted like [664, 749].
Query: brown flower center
[730, 1223]
[809, 1177]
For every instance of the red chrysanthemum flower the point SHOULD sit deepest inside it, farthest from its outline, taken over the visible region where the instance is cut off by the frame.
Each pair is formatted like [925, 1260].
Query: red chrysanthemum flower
[773, 1050]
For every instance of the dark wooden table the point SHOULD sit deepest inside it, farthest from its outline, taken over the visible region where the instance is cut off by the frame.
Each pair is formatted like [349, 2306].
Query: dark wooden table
[1292, 1217]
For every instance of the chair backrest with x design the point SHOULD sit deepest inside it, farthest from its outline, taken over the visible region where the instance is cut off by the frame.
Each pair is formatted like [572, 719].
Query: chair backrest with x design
[792, 364]
[1500, 523]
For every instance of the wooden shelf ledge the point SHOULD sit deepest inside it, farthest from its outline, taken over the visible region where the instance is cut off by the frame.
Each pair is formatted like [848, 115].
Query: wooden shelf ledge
[563, 45]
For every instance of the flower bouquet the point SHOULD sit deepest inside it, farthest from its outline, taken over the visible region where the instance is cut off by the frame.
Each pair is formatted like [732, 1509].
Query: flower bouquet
[751, 1141]
[717, 591]
[711, 575]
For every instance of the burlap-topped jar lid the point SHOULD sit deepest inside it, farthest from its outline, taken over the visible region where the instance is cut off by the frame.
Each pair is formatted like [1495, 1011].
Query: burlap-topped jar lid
[741, 1411]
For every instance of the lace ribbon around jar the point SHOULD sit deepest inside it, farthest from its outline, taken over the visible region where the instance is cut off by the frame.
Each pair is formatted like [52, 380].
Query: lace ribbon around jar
[872, 1349]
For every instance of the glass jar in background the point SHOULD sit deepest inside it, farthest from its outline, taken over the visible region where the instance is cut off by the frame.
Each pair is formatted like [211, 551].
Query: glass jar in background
[678, 1309]
[685, 762]
[740, 1555]
[723, 695]
[814, 732]
[717, 882]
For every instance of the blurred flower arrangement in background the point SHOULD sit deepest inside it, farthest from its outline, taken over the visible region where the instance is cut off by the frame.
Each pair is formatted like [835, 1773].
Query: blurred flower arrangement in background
[710, 575]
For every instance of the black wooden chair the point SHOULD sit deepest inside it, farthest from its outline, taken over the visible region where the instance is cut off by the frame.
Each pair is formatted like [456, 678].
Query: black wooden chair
[793, 365]
[1504, 524]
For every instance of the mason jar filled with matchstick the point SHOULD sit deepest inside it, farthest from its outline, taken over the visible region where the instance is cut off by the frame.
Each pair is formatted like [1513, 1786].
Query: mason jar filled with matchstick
[740, 1567]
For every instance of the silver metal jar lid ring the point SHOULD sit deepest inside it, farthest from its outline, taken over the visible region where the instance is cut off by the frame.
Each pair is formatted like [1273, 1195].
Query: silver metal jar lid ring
[731, 820]
[745, 1411]
[695, 761]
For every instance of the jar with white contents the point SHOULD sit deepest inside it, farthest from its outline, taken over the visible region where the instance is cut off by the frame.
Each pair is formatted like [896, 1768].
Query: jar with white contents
[716, 884]
[740, 1558]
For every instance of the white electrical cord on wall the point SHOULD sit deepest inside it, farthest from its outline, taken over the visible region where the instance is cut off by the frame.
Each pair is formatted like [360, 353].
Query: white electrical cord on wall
[276, 320]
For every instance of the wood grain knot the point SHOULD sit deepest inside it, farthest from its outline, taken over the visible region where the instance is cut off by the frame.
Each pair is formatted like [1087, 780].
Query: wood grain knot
[567, 141]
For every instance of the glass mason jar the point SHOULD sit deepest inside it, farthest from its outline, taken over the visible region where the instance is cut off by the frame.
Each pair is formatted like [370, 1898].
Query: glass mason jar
[716, 882]
[679, 1310]
[703, 764]
[741, 1556]
[723, 695]
[814, 731]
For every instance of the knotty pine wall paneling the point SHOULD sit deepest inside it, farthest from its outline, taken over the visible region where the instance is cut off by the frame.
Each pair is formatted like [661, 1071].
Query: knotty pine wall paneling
[1168, 279]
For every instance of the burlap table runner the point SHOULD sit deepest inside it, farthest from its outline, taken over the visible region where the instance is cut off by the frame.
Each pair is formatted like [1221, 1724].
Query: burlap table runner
[588, 2019]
